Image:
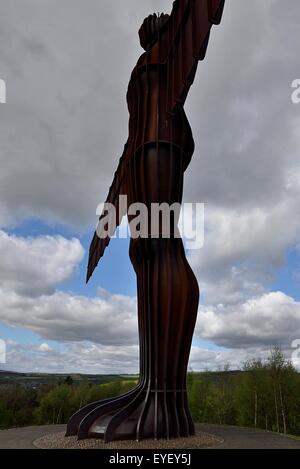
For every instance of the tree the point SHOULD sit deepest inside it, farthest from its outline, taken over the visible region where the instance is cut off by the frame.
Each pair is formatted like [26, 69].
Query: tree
[69, 380]
[55, 406]
[283, 374]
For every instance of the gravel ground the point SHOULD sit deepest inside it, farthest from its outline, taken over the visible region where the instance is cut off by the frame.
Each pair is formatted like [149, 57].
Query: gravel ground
[59, 441]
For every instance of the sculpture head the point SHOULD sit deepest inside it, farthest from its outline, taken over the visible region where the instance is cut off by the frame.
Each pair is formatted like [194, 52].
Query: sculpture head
[150, 28]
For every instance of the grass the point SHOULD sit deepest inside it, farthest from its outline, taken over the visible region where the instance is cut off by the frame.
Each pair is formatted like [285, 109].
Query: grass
[294, 437]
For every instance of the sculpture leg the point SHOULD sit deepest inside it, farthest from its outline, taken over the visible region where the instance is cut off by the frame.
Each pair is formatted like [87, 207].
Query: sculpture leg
[170, 310]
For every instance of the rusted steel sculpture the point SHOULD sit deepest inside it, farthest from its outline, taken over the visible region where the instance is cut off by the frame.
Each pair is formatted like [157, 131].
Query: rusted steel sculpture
[158, 151]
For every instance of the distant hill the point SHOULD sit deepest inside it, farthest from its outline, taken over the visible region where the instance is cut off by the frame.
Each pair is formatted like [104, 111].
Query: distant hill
[216, 376]
[36, 379]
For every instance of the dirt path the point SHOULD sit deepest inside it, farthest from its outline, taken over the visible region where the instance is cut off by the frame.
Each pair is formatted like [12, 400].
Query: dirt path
[23, 438]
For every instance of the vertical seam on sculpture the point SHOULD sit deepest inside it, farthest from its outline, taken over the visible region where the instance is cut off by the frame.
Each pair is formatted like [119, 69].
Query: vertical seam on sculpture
[137, 129]
[156, 260]
[148, 345]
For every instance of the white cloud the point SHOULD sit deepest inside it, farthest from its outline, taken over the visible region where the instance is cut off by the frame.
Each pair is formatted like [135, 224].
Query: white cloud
[34, 266]
[265, 321]
[202, 359]
[91, 358]
[44, 347]
[108, 319]
[244, 248]
[74, 358]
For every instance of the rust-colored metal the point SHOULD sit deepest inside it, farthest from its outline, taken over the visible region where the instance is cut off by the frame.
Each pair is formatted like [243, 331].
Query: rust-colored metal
[151, 169]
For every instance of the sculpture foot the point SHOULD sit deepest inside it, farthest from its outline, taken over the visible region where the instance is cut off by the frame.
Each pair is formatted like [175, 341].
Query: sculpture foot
[113, 403]
[142, 414]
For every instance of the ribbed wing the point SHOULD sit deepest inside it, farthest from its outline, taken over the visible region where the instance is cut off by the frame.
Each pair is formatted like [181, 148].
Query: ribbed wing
[187, 34]
[99, 244]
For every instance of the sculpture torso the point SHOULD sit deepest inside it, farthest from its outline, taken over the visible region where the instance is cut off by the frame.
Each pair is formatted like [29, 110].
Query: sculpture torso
[150, 122]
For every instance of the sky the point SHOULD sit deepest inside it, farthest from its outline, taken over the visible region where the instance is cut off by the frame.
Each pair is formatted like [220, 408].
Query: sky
[66, 66]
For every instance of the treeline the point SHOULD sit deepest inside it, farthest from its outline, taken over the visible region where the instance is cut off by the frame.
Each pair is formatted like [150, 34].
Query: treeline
[265, 395]
[52, 403]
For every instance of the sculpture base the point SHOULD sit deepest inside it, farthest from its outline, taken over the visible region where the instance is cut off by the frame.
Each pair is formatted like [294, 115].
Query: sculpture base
[139, 414]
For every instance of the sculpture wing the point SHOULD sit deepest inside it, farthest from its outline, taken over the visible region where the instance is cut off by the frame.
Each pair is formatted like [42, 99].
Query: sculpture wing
[184, 42]
[99, 244]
